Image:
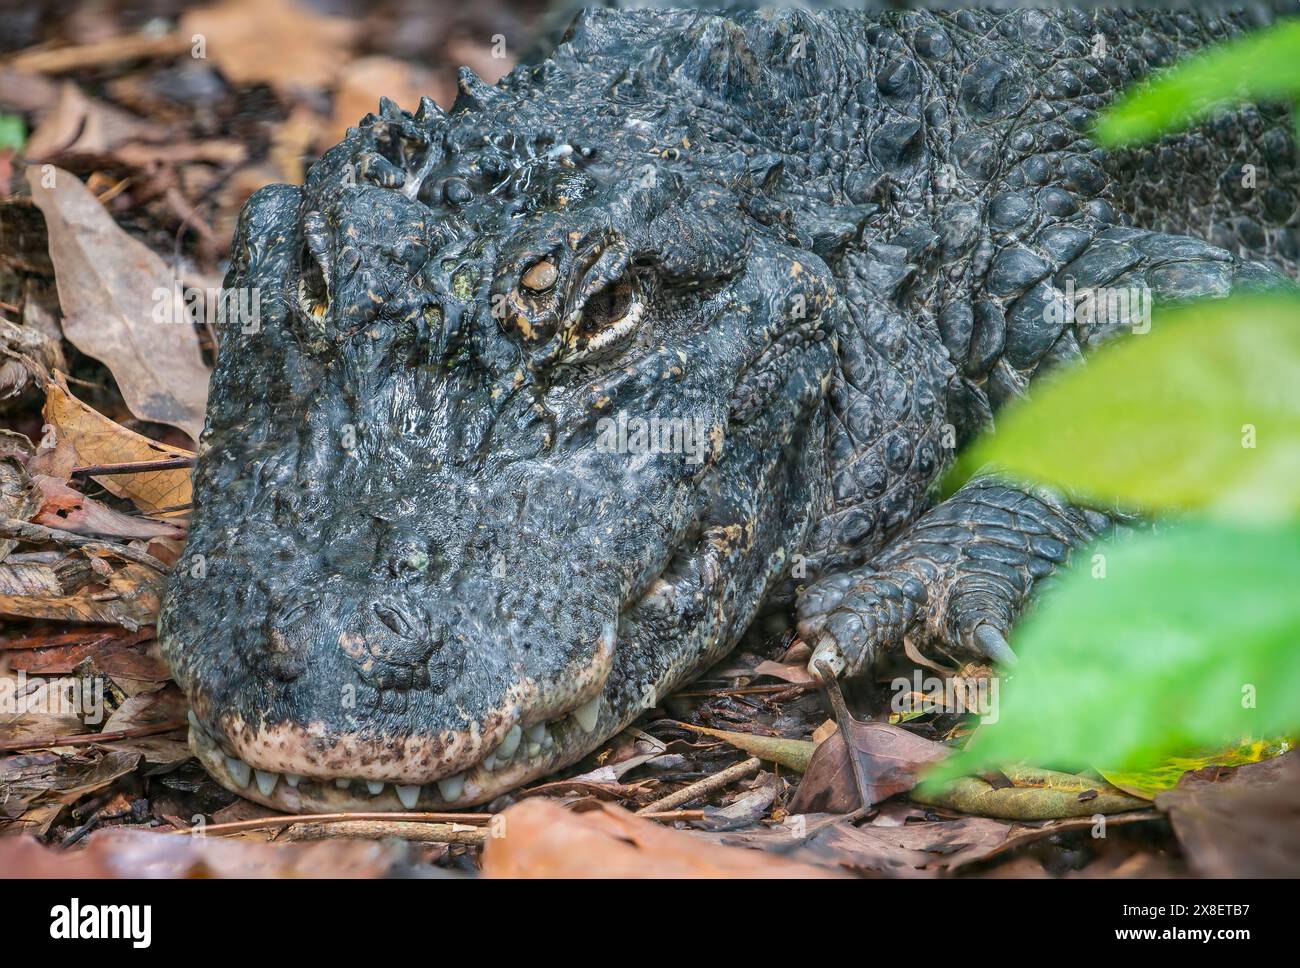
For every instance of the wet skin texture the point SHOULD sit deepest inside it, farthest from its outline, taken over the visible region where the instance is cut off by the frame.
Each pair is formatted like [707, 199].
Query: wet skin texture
[416, 578]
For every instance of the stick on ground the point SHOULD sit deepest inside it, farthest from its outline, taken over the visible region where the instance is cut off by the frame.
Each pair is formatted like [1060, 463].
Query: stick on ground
[703, 787]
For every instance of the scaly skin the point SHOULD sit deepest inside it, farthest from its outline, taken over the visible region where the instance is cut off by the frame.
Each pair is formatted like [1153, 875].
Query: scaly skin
[829, 243]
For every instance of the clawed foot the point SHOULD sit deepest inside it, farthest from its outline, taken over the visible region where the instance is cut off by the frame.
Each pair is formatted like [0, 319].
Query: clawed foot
[959, 578]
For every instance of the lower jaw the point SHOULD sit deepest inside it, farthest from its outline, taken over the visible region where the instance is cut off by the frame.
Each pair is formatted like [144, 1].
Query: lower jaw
[567, 742]
[311, 794]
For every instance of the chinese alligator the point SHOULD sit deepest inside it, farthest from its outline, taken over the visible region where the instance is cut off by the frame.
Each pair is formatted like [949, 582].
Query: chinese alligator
[552, 392]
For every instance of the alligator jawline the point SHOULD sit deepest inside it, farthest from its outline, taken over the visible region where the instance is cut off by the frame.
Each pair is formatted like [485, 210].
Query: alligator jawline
[561, 741]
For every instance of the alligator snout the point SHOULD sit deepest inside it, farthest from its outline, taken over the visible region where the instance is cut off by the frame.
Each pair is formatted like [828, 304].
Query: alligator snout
[449, 654]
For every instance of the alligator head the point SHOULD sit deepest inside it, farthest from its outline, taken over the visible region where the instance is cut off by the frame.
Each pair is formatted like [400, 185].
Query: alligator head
[518, 438]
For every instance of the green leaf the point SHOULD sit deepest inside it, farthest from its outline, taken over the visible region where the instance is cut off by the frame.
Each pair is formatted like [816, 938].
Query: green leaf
[13, 133]
[1187, 643]
[1199, 413]
[1149, 782]
[1260, 67]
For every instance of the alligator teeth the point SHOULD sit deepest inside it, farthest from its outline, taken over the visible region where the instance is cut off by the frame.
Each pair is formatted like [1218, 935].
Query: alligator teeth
[342, 783]
[407, 794]
[239, 771]
[266, 781]
[532, 749]
[490, 762]
[510, 743]
[536, 734]
[587, 714]
[293, 779]
[375, 787]
[451, 787]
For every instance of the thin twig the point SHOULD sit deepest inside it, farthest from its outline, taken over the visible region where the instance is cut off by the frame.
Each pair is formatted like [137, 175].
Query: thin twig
[88, 637]
[133, 467]
[703, 787]
[668, 816]
[89, 739]
[844, 719]
[262, 823]
[58, 60]
[425, 833]
[746, 690]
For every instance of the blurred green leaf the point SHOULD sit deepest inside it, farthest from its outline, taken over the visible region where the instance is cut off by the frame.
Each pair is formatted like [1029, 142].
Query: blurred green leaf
[1201, 412]
[1260, 67]
[13, 133]
[1186, 644]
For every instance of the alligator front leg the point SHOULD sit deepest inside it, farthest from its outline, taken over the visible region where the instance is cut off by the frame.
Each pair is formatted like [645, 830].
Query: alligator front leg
[958, 577]
[961, 573]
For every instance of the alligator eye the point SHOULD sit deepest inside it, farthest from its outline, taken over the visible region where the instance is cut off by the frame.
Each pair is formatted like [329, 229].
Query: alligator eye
[313, 287]
[607, 307]
[540, 276]
[610, 314]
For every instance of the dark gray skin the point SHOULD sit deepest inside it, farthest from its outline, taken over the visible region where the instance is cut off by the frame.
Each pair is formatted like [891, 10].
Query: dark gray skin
[829, 241]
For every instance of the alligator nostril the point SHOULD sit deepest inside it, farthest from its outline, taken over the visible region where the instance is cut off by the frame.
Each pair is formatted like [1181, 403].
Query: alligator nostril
[394, 618]
[294, 612]
[283, 659]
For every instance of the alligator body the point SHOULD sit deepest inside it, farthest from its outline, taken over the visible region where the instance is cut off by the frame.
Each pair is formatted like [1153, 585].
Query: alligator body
[553, 392]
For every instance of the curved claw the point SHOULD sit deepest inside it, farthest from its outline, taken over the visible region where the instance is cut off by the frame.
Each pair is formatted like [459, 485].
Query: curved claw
[993, 644]
[826, 656]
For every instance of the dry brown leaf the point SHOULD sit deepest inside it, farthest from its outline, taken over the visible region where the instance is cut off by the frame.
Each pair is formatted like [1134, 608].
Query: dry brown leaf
[277, 42]
[111, 653]
[19, 497]
[128, 595]
[1239, 822]
[540, 839]
[77, 436]
[119, 852]
[892, 760]
[84, 126]
[923, 849]
[70, 510]
[163, 705]
[35, 788]
[159, 706]
[110, 287]
[796, 674]
[27, 357]
[35, 710]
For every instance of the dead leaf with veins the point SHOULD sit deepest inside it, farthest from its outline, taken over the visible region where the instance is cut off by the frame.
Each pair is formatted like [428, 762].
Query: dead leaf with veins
[121, 305]
[68, 509]
[78, 436]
